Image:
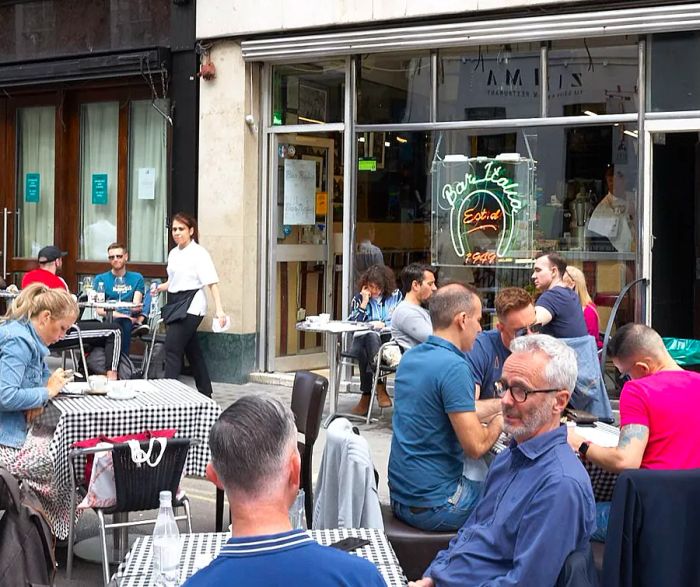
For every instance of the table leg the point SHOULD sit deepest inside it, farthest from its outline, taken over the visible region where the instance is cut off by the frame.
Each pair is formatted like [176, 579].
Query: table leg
[120, 536]
[333, 382]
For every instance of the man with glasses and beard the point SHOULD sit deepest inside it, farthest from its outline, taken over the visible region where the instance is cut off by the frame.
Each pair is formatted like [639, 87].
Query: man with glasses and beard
[537, 506]
[516, 317]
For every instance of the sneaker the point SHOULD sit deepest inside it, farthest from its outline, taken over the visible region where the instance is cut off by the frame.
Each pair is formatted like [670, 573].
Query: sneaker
[140, 330]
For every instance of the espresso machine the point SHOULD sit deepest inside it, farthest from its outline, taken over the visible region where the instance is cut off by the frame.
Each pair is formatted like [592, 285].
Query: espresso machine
[580, 209]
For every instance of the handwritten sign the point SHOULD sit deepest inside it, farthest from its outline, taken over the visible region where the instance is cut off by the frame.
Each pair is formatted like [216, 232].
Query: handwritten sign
[483, 211]
[299, 192]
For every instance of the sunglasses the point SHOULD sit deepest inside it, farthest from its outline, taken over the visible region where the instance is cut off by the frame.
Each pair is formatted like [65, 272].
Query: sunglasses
[111, 257]
[534, 328]
[519, 393]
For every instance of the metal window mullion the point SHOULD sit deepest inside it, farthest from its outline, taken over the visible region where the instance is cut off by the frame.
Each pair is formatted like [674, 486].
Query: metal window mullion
[349, 182]
[544, 79]
[644, 225]
[305, 128]
[433, 85]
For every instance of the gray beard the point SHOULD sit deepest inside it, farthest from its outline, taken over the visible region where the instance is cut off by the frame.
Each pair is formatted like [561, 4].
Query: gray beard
[531, 424]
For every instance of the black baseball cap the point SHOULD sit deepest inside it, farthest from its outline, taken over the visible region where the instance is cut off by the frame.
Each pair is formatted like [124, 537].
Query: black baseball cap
[51, 253]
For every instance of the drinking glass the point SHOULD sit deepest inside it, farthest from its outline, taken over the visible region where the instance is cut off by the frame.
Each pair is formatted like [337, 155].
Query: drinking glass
[119, 286]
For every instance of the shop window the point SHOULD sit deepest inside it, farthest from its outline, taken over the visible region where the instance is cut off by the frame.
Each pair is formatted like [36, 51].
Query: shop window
[148, 183]
[592, 77]
[99, 138]
[489, 82]
[36, 153]
[675, 77]
[308, 93]
[393, 88]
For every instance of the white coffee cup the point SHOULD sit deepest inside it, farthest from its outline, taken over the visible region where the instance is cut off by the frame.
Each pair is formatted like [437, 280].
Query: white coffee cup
[98, 383]
[324, 318]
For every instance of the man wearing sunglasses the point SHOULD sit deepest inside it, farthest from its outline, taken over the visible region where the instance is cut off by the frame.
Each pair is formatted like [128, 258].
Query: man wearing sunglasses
[131, 289]
[537, 505]
[516, 317]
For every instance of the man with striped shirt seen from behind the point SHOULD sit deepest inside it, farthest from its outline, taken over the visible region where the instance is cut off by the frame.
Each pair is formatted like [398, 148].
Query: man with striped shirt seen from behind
[255, 458]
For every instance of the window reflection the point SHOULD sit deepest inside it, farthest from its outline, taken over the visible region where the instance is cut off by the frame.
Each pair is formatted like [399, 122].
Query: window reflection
[670, 54]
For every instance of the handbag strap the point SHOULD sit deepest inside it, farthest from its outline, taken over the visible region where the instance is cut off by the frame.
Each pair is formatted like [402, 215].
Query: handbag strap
[139, 456]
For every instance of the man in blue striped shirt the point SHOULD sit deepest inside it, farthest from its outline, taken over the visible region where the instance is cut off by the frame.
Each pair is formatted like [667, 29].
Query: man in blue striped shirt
[255, 457]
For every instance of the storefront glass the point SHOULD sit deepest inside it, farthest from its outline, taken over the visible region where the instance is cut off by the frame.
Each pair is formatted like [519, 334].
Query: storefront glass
[674, 72]
[308, 93]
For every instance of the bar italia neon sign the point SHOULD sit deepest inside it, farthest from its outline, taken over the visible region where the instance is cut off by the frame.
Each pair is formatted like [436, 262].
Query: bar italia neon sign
[482, 207]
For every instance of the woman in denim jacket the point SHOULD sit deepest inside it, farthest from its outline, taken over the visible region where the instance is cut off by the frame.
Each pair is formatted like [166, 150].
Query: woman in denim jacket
[38, 317]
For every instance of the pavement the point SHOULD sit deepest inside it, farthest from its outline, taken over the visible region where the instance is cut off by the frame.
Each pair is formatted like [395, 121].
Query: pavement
[202, 493]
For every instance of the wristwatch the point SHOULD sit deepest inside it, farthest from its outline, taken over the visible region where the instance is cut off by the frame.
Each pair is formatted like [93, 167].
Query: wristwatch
[583, 449]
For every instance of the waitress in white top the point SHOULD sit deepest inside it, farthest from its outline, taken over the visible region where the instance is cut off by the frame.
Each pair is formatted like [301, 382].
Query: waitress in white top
[190, 268]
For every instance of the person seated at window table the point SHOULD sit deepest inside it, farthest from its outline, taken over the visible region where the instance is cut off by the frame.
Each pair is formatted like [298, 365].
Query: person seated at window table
[516, 317]
[558, 308]
[575, 280]
[375, 303]
[410, 323]
[97, 333]
[436, 420]
[255, 458]
[37, 318]
[659, 412]
[132, 290]
[537, 506]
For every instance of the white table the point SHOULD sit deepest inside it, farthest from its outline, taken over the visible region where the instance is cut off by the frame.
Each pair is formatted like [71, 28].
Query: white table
[198, 549]
[109, 307]
[334, 331]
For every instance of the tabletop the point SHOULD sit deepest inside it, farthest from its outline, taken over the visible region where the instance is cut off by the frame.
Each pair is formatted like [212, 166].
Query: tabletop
[108, 305]
[199, 549]
[333, 326]
[158, 404]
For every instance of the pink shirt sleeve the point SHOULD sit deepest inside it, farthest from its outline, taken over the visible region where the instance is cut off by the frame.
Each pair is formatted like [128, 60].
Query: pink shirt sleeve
[592, 325]
[633, 405]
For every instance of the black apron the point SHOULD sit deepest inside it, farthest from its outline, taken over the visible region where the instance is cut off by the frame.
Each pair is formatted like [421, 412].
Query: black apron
[176, 308]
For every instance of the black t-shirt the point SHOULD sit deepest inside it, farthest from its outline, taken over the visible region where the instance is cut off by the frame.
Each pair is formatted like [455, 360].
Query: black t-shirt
[567, 316]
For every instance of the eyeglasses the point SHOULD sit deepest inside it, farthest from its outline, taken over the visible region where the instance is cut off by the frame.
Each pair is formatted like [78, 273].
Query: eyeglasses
[518, 392]
[111, 257]
[533, 328]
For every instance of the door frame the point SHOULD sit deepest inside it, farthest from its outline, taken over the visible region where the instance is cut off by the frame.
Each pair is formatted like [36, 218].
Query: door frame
[300, 252]
[673, 125]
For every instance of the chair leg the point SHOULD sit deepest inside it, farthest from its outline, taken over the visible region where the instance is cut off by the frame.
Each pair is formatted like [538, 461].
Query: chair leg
[186, 504]
[219, 514]
[71, 537]
[103, 539]
[372, 395]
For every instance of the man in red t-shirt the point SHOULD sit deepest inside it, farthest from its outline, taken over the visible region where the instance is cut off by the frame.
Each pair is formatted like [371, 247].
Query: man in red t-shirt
[659, 409]
[50, 261]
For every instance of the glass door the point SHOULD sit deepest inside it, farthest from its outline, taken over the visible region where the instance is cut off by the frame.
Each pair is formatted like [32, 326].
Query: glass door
[301, 268]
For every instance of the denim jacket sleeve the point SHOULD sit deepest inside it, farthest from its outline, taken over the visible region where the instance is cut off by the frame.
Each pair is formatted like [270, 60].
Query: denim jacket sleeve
[22, 384]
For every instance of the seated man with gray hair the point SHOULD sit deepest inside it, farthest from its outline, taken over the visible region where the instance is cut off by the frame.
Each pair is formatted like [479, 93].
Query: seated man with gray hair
[255, 458]
[537, 506]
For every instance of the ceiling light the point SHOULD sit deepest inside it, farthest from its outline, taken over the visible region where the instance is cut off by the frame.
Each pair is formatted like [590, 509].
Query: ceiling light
[590, 113]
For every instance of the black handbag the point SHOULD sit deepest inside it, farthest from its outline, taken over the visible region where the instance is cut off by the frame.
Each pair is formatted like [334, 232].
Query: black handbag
[176, 308]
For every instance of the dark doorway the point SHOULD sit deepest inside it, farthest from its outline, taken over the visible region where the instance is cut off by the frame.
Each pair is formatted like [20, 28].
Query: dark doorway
[676, 247]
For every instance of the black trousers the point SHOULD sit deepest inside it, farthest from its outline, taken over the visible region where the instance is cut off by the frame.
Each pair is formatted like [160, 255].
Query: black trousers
[364, 348]
[181, 339]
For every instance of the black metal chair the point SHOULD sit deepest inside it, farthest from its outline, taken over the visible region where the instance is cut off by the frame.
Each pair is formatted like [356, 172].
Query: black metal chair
[308, 399]
[138, 488]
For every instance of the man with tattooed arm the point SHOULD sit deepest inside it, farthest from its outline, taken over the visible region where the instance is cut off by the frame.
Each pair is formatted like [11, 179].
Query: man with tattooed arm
[659, 416]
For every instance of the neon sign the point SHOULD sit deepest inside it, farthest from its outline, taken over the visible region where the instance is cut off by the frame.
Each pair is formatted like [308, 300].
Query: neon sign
[481, 207]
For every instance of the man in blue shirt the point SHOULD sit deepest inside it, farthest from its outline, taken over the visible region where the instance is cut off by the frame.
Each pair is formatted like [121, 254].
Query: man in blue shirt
[516, 317]
[436, 421]
[254, 455]
[132, 290]
[537, 506]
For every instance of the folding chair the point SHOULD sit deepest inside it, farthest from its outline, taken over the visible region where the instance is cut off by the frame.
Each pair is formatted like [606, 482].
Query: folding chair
[137, 487]
[152, 337]
[381, 370]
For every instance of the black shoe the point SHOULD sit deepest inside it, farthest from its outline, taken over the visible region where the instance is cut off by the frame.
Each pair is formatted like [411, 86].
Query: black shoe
[140, 330]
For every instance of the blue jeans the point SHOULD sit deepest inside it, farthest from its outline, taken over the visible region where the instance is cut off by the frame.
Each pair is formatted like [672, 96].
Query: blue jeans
[442, 518]
[602, 516]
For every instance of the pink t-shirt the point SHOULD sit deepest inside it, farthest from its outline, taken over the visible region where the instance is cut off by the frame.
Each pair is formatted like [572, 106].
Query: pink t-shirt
[668, 403]
[590, 315]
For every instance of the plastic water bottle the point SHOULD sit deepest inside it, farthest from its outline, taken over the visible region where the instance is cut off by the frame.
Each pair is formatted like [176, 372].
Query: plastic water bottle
[100, 297]
[166, 545]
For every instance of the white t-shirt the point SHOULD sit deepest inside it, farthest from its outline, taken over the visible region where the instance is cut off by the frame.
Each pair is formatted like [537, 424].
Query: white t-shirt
[191, 268]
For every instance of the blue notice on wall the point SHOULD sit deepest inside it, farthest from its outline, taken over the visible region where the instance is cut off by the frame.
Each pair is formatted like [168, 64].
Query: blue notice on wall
[99, 189]
[32, 188]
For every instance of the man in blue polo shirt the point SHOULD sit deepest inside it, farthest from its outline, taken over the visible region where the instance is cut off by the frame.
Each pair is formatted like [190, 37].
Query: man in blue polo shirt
[132, 290]
[254, 455]
[435, 418]
[516, 317]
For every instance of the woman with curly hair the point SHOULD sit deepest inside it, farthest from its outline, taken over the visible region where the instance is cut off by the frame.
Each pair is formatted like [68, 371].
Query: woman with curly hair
[375, 303]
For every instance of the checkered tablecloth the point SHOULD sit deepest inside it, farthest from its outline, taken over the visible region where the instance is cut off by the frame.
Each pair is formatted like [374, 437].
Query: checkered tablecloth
[161, 403]
[199, 549]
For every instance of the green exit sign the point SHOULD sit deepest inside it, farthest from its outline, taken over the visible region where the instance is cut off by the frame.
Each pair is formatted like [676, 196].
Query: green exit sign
[367, 165]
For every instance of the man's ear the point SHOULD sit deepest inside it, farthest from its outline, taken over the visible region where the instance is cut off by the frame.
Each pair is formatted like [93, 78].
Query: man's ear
[213, 476]
[295, 469]
[644, 367]
[499, 326]
[562, 400]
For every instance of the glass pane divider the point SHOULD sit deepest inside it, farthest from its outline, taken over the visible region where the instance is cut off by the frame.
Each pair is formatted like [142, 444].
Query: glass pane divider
[305, 128]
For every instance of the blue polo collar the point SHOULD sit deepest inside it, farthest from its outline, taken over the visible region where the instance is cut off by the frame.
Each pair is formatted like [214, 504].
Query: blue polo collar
[444, 343]
[537, 446]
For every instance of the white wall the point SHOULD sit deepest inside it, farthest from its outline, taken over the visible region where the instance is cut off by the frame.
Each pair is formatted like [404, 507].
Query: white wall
[217, 18]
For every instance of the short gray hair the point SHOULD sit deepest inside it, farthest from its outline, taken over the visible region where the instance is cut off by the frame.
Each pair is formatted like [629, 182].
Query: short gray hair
[250, 442]
[561, 370]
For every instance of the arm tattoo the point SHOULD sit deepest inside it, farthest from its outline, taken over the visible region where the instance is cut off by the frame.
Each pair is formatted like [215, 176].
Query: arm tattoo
[632, 432]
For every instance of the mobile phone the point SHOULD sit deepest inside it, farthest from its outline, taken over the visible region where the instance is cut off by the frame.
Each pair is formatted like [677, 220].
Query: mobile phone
[349, 544]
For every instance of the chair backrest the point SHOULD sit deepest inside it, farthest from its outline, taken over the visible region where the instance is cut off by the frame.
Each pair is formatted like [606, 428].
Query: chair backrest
[138, 486]
[308, 399]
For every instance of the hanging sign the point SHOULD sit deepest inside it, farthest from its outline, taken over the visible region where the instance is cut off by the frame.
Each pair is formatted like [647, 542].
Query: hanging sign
[483, 210]
[321, 203]
[99, 189]
[32, 188]
[299, 191]
[147, 183]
